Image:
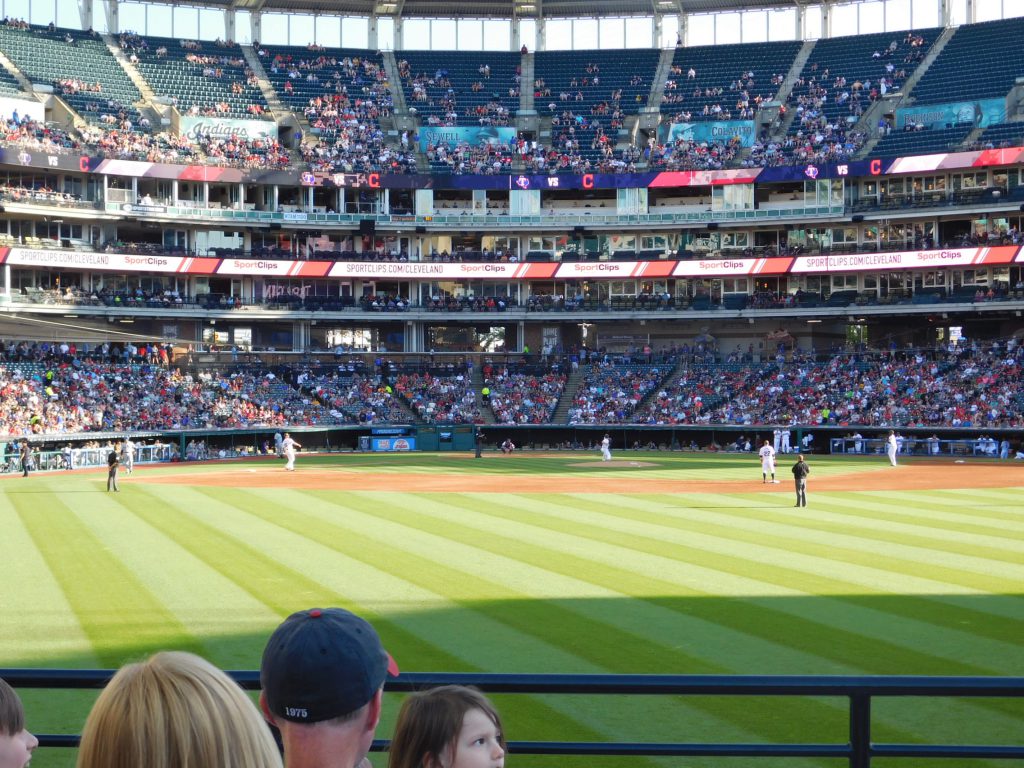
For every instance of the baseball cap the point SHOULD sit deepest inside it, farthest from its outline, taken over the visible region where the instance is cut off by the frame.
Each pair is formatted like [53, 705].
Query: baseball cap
[321, 664]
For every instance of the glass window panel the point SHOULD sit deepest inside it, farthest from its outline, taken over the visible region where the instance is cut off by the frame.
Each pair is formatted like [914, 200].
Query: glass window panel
[186, 22]
[355, 32]
[844, 20]
[1012, 10]
[701, 29]
[613, 33]
[275, 29]
[727, 28]
[639, 31]
[211, 24]
[442, 34]
[471, 35]
[669, 31]
[559, 34]
[989, 10]
[958, 12]
[897, 14]
[755, 27]
[301, 29]
[131, 16]
[386, 34]
[584, 34]
[812, 22]
[926, 13]
[159, 19]
[243, 27]
[68, 16]
[498, 35]
[42, 12]
[328, 31]
[872, 17]
[781, 24]
[415, 33]
[528, 33]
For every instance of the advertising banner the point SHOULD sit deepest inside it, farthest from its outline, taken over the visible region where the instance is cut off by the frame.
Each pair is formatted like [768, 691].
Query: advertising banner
[712, 130]
[472, 135]
[121, 262]
[434, 271]
[979, 113]
[393, 443]
[953, 257]
[614, 269]
[224, 128]
[725, 267]
[274, 267]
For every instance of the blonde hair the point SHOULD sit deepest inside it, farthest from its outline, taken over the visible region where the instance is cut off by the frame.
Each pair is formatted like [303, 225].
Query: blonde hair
[175, 710]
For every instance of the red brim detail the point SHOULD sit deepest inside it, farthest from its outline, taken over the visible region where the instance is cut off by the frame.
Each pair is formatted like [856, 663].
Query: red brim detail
[392, 667]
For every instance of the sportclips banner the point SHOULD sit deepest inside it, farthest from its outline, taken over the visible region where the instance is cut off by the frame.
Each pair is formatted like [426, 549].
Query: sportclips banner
[471, 135]
[980, 113]
[347, 270]
[224, 128]
[715, 130]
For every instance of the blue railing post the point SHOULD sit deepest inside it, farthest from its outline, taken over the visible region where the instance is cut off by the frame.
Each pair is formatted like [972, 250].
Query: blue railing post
[860, 730]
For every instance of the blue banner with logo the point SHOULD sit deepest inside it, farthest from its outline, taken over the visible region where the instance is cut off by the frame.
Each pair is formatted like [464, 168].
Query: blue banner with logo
[472, 135]
[714, 130]
[980, 113]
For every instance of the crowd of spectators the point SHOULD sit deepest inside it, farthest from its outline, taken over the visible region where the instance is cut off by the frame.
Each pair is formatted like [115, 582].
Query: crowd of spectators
[353, 397]
[518, 397]
[610, 393]
[439, 398]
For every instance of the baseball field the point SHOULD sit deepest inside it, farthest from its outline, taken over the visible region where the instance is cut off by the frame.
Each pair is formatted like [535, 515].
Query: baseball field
[652, 563]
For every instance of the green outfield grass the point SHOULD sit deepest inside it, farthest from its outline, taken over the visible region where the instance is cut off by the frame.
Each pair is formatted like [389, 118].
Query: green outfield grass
[926, 582]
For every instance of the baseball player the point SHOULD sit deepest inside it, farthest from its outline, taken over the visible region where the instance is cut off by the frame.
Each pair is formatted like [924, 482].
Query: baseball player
[289, 446]
[786, 437]
[278, 444]
[776, 439]
[890, 447]
[767, 454]
[128, 455]
[606, 448]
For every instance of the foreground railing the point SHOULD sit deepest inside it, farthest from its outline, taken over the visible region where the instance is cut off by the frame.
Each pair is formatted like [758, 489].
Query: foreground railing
[860, 692]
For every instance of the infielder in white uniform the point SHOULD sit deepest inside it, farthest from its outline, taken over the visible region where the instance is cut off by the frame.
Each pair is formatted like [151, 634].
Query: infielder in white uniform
[278, 440]
[776, 439]
[606, 448]
[767, 454]
[128, 455]
[785, 440]
[890, 447]
[289, 446]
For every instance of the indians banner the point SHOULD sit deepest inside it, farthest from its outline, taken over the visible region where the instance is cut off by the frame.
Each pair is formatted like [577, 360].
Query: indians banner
[196, 128]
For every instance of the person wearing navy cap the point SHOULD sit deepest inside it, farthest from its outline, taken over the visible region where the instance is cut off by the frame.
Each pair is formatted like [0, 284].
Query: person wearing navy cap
[322, 679]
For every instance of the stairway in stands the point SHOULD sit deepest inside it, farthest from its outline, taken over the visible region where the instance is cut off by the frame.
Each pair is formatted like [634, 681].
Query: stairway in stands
[671, 376]
[572, 385]
[478, 384]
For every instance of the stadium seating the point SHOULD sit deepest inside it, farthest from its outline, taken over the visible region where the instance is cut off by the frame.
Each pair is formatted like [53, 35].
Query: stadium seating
[977, 63]
[79, 67]
[204, 78]
[1001, 135]
[449, 88]
[922, 142]
[719, 73]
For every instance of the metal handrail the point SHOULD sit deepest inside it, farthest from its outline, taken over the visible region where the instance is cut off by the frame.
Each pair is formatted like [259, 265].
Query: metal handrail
[860, 691]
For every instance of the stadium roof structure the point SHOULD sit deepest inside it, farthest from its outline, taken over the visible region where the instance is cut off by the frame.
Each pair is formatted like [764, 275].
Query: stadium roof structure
[498, 8]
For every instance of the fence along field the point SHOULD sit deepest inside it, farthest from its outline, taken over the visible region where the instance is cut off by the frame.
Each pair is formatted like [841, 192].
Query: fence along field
[658, 564]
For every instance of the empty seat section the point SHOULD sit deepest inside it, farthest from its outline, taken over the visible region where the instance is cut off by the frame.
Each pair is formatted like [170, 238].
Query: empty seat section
[458, 88]
[921, 142]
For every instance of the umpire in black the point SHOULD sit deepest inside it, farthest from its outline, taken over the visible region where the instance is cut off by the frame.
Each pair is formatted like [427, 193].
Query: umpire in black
[479, 443]
[800, 473]
[113, 461]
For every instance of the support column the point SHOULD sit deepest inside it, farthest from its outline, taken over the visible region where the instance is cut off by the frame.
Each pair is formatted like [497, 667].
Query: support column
[972, 11]
[517, 35]
[135, 190]
[256, 26]
[399, 33]
[800, 33]
[373, 37]
[85, 13]
[683, 28]
[174, 193]
[826, 20]
[542, 35]
[230, 21]
[309, 200]
[7, 281]
[113, 17]
[520, 335]
[300, 336]
[411, 337]
[945, 12]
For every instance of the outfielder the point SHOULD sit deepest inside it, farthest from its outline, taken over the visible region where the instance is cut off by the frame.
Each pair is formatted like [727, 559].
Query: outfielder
[606, 448]
[767, 454]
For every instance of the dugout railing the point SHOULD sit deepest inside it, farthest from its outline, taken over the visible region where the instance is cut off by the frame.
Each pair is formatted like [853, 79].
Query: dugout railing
[860, 693]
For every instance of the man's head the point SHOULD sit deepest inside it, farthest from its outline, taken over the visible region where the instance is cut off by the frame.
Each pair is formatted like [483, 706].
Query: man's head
[800, 457]
[322, 664]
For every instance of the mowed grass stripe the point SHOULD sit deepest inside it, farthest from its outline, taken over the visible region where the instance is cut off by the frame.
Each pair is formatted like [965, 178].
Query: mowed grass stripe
[37, 622]
[210, 605]
[846, 545]
[822, 518]
[955, 517]
[542, 619]
[716, 549]
[419, 647]
[107, 598]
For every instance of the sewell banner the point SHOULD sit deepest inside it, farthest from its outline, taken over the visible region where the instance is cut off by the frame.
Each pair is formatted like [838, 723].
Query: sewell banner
[597, 270]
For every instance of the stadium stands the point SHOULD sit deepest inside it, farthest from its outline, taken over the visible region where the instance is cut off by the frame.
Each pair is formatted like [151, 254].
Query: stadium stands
[922, 142]
[461, 88]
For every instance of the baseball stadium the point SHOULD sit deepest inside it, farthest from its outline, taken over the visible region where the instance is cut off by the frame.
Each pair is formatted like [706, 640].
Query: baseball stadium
[655, 366]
